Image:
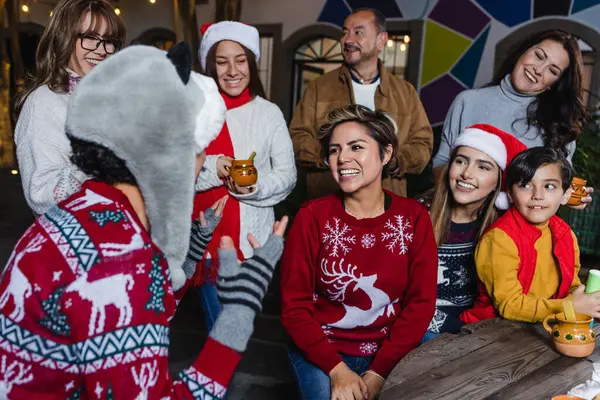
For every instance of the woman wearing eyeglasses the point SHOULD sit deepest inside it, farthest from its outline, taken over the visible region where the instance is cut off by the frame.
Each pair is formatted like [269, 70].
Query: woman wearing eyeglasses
[81, 34]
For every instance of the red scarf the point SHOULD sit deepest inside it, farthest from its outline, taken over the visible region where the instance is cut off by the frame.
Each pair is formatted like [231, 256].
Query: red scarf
[230, 220]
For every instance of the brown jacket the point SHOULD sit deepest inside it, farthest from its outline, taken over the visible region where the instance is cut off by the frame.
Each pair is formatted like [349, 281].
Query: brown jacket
[333, 90]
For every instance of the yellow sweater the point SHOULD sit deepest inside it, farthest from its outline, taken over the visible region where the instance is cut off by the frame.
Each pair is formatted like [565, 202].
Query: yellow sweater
[497, 263]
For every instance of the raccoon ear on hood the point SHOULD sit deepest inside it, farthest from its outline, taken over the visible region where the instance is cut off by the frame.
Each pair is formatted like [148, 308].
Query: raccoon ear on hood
[181, 57]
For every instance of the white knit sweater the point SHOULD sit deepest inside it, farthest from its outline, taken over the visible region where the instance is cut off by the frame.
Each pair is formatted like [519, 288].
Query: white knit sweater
[257, 126]
[43, 150]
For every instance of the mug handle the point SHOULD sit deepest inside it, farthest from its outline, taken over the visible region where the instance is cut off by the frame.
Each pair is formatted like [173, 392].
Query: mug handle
[547, 326]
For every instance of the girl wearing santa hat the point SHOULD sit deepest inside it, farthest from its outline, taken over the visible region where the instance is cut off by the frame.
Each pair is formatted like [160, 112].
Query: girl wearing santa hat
[464, 206]
[228, 53]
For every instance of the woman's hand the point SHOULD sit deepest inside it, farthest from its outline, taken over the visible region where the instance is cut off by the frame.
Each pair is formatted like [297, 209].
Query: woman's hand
[585, 200]
[374, 384]
[586, 303]
[223, 163]
[346, 384]
[237, 189]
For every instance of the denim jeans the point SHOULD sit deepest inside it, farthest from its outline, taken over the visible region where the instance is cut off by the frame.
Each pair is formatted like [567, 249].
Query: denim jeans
[209, 301]
[428, 336]
[313, 383]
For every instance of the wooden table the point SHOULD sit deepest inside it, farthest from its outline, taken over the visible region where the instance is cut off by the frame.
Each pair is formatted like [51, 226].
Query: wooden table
[493, 359]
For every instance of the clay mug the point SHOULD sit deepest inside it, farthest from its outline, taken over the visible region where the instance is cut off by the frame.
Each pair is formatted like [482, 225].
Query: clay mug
[243, 172]
[571, 338]
[578, 186]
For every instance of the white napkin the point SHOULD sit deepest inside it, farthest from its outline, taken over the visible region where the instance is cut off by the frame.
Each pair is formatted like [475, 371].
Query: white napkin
[589, 389]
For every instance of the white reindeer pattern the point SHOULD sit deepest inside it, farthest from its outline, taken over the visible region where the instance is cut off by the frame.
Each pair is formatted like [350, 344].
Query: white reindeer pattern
[14, 374]
[354, 317]
[103, 292]
[89, 199]
[118, 249]
[18, 286]
[441, 279]
[146, 379]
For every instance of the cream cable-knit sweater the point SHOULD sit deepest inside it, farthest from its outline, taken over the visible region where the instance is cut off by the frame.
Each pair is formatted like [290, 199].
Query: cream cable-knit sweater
[43, 150]
[257, 126]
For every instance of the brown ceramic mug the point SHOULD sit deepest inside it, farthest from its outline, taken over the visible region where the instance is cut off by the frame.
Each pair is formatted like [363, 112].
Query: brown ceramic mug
[571, 338]
[578, 186]
[243, 172]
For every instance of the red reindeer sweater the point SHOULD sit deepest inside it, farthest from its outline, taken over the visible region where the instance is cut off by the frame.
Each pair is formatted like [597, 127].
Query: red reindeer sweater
[359, 287]
[85, 305]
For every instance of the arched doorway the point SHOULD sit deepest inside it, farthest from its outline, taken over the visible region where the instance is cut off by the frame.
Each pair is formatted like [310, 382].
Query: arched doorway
[589, 40]
[312, 59]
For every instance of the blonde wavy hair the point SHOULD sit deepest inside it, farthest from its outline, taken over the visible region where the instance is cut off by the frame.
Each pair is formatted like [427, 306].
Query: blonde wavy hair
[380, 126]
[59, 39]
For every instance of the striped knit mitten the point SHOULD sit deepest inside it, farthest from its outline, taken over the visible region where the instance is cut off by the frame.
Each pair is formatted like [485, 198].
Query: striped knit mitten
[241, 288]
[199, 238]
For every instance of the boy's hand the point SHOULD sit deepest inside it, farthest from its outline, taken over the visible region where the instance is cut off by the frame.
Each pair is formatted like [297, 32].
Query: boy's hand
[586, 303]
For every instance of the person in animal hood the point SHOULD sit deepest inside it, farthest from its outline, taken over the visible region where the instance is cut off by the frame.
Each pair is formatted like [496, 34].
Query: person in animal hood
[88, 292]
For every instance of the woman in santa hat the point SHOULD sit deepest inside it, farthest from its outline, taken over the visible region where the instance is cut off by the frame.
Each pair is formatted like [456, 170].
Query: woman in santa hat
[228, 53]
[466, 203]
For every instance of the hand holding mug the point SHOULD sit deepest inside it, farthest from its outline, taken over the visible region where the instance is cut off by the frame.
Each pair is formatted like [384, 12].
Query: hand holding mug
[580, 194]
[586, 303]
[223, 165]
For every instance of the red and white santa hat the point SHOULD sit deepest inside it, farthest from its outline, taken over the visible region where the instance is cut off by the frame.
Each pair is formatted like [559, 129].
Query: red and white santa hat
[212, 34]
[500, 146]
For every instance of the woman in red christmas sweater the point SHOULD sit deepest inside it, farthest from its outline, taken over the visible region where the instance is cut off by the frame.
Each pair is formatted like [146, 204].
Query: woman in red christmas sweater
[358, 274]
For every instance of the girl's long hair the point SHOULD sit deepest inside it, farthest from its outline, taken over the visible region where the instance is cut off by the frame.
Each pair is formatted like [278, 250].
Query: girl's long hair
[60, 38]
[443, 202]
[558, 112]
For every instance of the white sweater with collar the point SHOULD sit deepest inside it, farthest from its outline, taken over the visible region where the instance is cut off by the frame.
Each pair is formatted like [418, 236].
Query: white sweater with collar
[43, 150]
[257, 126]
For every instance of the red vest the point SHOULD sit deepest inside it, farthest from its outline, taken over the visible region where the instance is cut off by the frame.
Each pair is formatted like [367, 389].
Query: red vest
[524, 235]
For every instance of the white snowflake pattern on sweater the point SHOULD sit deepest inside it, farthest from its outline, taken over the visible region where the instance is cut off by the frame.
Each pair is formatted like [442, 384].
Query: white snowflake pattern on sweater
[368, 240]
[337, 238]
[400, 233]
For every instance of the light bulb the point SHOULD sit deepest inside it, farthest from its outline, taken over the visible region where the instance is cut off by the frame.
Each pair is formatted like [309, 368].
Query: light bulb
[406, 39]
[402, 47]
[14, 172]
[152, 1]
[390, 43]
[51, 13]
[25, 8]
[118, 11]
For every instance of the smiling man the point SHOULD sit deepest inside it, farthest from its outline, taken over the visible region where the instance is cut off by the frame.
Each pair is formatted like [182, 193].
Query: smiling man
[361, 80]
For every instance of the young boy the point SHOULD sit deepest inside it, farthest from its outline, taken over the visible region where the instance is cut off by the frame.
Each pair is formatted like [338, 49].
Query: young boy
[528, 260]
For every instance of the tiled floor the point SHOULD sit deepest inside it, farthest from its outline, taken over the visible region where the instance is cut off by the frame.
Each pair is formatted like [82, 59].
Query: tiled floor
[263, 373]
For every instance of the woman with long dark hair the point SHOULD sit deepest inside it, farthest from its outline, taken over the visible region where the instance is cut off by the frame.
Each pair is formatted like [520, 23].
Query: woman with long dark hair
[228, 53]
[81, 34]
[536, 95]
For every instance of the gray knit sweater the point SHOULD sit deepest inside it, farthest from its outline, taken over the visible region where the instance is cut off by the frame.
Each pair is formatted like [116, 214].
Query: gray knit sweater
[501, 106]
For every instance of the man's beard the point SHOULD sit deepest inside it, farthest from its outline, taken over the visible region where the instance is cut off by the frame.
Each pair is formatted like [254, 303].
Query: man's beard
[363, 56]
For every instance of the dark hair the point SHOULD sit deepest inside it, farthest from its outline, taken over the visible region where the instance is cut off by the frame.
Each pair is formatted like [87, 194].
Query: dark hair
[99, 162]
[59, 39]
[380, 21]
[523, 167]
[255, 85]
[380, 125]
[559, 111]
